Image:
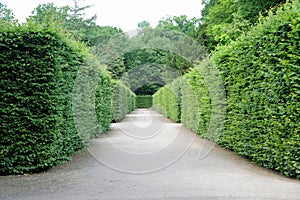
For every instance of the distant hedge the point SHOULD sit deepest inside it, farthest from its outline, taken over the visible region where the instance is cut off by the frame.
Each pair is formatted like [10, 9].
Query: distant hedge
[38, 69]
[186, 100]
[262, 79]
[167, 101]
[143, 101]
[123, 101]
[92, 94]
[103, 101]
[195, 102]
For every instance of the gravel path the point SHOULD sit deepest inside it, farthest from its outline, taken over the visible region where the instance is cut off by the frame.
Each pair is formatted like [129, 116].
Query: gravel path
[146, 156]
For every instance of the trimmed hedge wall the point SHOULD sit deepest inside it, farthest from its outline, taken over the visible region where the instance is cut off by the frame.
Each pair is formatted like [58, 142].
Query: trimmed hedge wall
[262, 78]
[123, 101]
[167, 101]
[195, 102]
[38, 69]
[143, 101]
[186, 100]
[104, 101]
[91, 104]
[261, 74]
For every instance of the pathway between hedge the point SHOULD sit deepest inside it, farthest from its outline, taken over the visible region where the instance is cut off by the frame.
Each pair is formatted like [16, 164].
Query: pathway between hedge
[146, 156]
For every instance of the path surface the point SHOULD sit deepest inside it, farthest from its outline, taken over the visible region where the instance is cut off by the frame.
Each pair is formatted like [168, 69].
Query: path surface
[148, 157]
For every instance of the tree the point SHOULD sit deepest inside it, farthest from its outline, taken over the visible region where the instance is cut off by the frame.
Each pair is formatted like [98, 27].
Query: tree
[180, 23]
[226, 20]
[72, 19]
[6, 14]
[111, 53]
[143, 25]
[170, 44]
[207, 5]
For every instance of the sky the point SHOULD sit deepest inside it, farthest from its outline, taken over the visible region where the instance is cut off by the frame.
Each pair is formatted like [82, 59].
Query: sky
[124, 14]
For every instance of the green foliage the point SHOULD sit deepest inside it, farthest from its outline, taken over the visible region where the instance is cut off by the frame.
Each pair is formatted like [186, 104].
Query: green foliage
[143, 101]
[167, 100]
[143, 25]
[177, 62]
[180, 24]
[111, 53]
[195, 102]
[186, 99]
[147, 89]
[91, 97]
[207, 5]
[261, 72]
[103, 102]
[146, 79]
[143, 56]
[225, 20]
[122, 53]
[180, 43]
[73, 20]
[123, 101]
[6, 14]
[38, 69]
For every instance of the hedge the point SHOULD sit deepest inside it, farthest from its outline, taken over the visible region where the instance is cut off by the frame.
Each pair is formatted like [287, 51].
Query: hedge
[38, 69]
[195, 102]
[261, 77]
[103, 101]
[123, 101]
[261, 72]
[92, 95]
[167, 100]
[143, 101]
[186, 100]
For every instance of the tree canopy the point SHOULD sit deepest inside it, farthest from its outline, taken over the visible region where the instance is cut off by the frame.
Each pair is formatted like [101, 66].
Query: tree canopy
[225, 20]
[6, 14]
[73, 20]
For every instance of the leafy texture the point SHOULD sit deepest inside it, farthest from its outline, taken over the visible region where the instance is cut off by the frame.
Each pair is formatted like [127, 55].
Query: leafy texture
[195, 102]
[187, 100]
[103, 102]
[225, 20]
[143, 101]
[38, 69]
[123, 101]
[261, 72]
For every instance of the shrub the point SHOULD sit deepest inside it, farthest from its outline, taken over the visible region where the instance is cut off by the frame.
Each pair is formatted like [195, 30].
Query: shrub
[123, 101]
[103, 101]
[167, 100]
[143, 101]
[195, 102]
[261, 72]
[92, 95]
[38, 69]
[39, 65]
[186, 100]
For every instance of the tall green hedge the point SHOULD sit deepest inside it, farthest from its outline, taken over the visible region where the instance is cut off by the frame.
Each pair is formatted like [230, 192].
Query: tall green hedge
[103, 101]
[167, 100]
[186, 100]
[262, 79]
[262, 83]
[39, 65]
[92, 93]
[123, 101]
[195, 102]
[143, 101]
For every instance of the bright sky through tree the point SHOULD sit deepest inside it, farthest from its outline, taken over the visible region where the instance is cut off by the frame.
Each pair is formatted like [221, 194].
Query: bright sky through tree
[125, 14]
